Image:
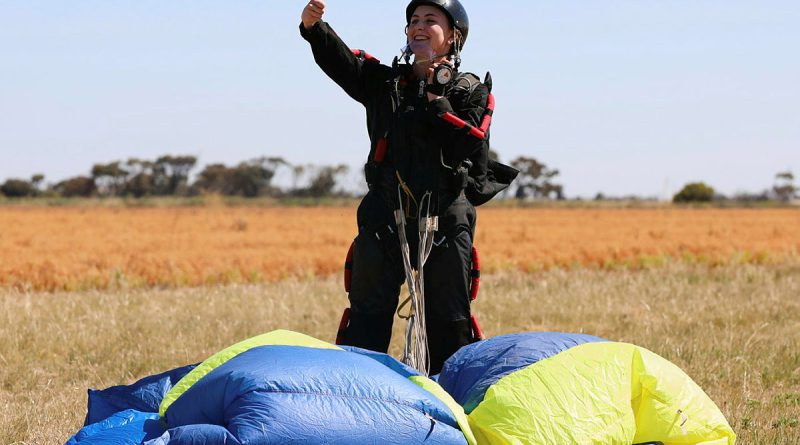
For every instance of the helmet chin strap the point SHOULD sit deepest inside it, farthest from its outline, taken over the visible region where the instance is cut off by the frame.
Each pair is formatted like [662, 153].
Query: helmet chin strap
[457, 59]
[406, 53]
[429, 60]
[456, 48]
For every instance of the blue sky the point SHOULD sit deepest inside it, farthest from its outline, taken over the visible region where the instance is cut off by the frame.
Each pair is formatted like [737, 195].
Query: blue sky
[624, 97]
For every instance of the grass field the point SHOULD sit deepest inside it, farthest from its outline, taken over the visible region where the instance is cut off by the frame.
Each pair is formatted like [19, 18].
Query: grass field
[76, 248]
[734, 329]
[96, 297]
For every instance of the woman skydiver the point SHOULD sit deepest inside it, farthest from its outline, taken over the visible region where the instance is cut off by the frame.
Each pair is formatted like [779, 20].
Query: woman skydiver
[427, 168]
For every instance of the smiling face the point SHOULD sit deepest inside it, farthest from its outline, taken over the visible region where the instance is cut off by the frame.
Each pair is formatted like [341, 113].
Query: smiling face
[429, 33]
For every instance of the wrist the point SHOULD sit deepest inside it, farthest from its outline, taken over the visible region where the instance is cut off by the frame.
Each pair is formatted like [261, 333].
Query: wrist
[309, 25]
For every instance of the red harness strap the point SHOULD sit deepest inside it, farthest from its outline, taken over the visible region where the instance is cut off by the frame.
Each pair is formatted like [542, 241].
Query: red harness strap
[348, 268]
[486, 121]
[367, 56]
[487, 116]
[475, 275]
[380, 150]
[477, 333]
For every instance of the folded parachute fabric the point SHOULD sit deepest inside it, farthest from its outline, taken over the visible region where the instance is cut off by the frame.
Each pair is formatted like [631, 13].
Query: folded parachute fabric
[536, 388]
[551, 388]
[124, 427]
[285, 388]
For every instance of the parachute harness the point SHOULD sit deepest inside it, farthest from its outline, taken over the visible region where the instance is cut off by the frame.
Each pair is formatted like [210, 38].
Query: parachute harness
[415, 351]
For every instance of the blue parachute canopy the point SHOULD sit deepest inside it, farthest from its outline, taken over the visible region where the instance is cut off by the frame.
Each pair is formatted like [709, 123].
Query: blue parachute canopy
[534, 388]
[278, 388]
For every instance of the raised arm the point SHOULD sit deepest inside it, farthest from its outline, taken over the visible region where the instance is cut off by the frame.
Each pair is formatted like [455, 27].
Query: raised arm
[341, 64]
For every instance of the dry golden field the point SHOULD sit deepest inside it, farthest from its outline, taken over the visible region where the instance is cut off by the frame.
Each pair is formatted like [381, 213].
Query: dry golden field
[93, 297]
[98, 248]
[735, 329]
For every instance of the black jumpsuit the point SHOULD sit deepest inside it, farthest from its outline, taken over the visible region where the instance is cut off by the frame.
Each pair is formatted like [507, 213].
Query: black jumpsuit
[424, 151]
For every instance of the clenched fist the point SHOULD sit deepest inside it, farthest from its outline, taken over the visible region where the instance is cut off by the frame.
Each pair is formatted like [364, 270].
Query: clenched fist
[313, 13]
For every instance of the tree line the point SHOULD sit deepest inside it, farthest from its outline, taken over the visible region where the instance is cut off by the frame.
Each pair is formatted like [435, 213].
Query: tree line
[783, 190]
[169, 175]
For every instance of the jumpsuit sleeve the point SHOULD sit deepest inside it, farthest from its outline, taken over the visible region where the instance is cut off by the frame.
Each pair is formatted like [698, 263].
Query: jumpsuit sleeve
[461, 126]
[337, 60]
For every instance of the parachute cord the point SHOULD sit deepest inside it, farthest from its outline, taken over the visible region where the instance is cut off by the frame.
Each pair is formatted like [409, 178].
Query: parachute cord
[431, 225]
[401, 307]
[408, 194]
[427, 225]
[415, 353]
[400, 220]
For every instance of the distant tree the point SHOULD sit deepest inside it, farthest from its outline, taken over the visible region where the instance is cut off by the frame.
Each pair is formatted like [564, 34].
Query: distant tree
[212, 179]
[140, 181]
[171, 174]
[79, 186]
[324, 181]
[752, 197]
[549, 190]
[784, 187]
[248, 179]
[140, 185]
[18, 188]
[110, 178]
[167, 175]
[297, 172]
[37, 180]
[254, 178]
[535, 180]
[695, 192]
[271, 164]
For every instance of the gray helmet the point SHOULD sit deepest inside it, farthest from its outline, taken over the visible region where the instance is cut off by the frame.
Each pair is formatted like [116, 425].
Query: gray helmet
[452, 8]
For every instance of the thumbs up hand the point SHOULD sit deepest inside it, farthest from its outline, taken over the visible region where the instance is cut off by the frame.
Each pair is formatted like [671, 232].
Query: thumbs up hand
[313, 13]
